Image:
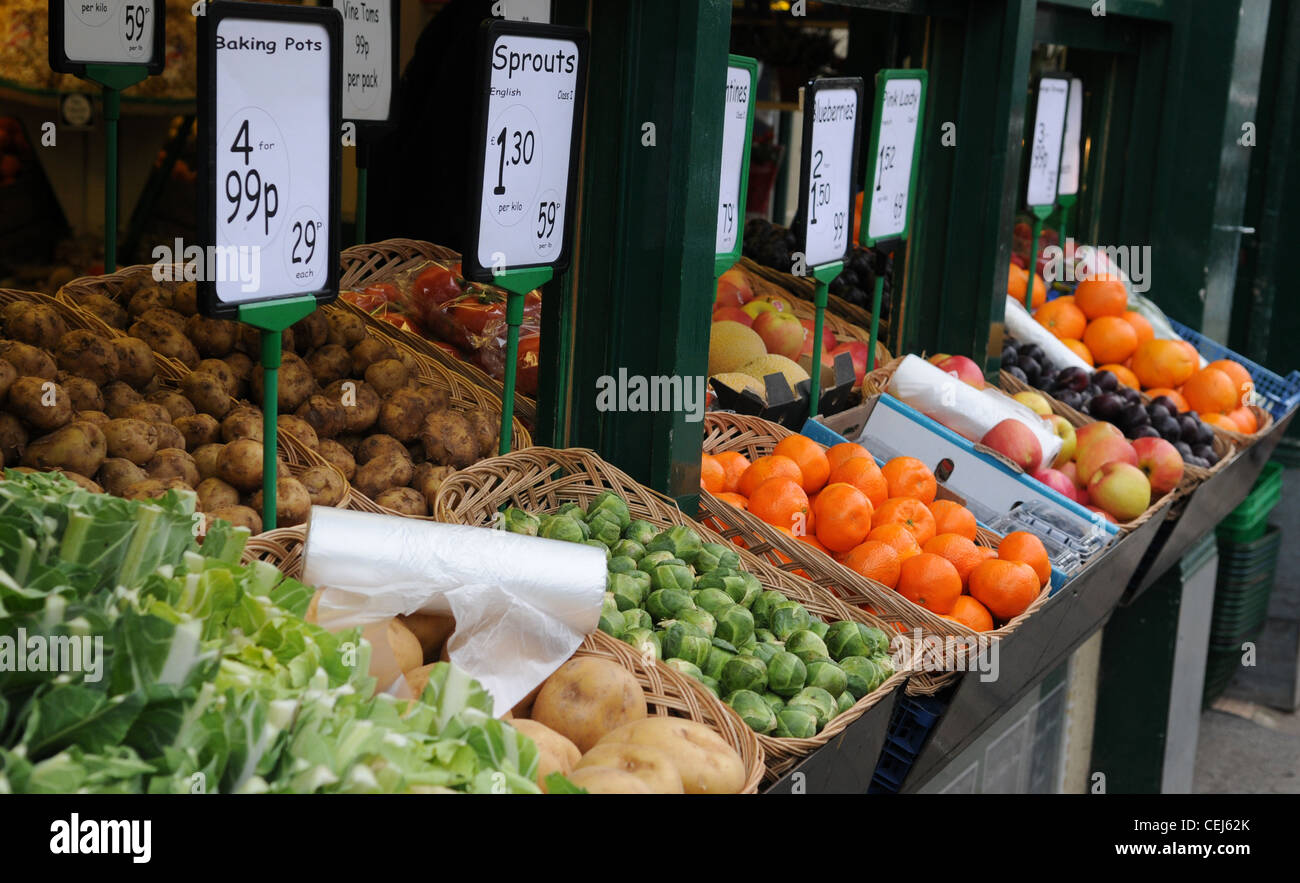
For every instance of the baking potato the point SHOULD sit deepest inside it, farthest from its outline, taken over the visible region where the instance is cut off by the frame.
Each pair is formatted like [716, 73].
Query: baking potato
[77, 447]
[205, 459]
[428, 479]
[8, 374]
[250, 341]
[135, 362]
[28, 361]
[377, 445]
[242, 422]
[176, 404]
[207, 393]
[324, 486]
[198, 430]
[368, 351]
[449, 439]
[213, 338]
[240, 464]
[82, 392]
[239, 516]
[650, 764]
[395, 652]
[387, 376]
[486, 428]
[404, 501]
[173, 463]
[586, 698]
[153, 488]
[402, 415]
[360, 402]
[99, 418]
[408, 360]
[221, 370]
[13, 438]
[131, 439]
[170, 437]
[118, 396]
[555, 754]
[310, 332]
[148, 296]
[435, 398]
[165, 316]
[81, 481]
[116, 474]
[432, 631]
[381, 473]
[324, 414]
[165, 339]
[215, 494]
[42, 404]
[185, 298]
[300, 429]
[242, 367]
[37, 324]
[330, 363]
[351, 441]
[708, 765]
[147, 411]
[295, 383]
[345, 328]
[603, 780]
[106, 310]
[292, 502]
[338, 456]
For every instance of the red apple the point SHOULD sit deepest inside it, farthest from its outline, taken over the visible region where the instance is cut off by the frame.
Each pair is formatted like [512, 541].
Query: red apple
[1103, 513]
[937, 358]
[1064, 430]
[733, 290]
[781, 332]
[1161, 462]
[859, 352]
[1084, 435]
[1058, 482]
[829, 342]
[963, 369]
[779, 302]
[733, 314]
[1015, 441]
[1081, 494]
[1019, 260]
[1100, 451]
[1121, 489]
[1071, 471]
[756, 308]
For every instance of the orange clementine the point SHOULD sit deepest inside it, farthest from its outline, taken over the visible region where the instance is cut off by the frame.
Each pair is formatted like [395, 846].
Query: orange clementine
[1081, 350]
[813, 464]
[909, 477]
[1140, 324]
[963, 553]
[734, 465]
[771, 466]
[1065, 320]
[1246, 419]
[930, 581]
[1239, 375]
[897, 536]
[1156, 392]
[875, 560]
[1222, 421]
[952, 517]
[1163, 363]
[712, 475]
[1018, 282]
[1101, 296]
[1110, 339]
[1006, 588]
[1020, 545]
[1122, 374]
[908, 512]
[1210, 391]
[843, 516]
[838, 454]
[970, 613]
[779, 502]
[987, 551]
[734, 499]
[865, 475]
[812, 541]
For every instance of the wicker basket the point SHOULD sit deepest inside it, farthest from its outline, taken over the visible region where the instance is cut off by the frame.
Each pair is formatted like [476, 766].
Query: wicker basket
[667, 692]
[379, 262]
[543, 479]
[803, 287]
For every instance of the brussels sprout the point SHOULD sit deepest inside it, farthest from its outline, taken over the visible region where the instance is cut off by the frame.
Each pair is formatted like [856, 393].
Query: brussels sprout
[610, 505]
[878, 640]
[774, 702]
[795, 723]
[843, 639]
[806, 645]
[714, 556]
[862, 675]
[608, 602]
[640, 532]
[700, 618]
[627, 592]
[672, 576]
[716, 660]
[664, 603]
[819, 628]
[644, 640]
[746, 591]
[518, 521]
[725, 645]
[628, 549]
[562, 527]
[765, 637]
[885, 664]
[744, 673]
[612, 623]
[620, 564]
[650, 560]
[712, 685]
[827, 675]
[681, 640]
[599, 545]
[735, 624]
[747, 646]
[713, 600]
[765, 652]
[756, 713]
[817, 701]
[686, 668]
[789, 617]
[636, 618]
[604, 529]
[572, 510]
[762, 607]
[844, 702]
[786, 674]
[683, 542]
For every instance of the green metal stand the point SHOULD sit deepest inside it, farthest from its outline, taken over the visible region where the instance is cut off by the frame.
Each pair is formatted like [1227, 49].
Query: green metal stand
[272, 317]
[877, 295]
[825, 275]
[1041, 213]
[114, 78]
[517, 283]
[1066, 202]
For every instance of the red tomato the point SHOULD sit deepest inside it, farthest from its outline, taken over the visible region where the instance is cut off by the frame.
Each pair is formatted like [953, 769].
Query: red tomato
[386, 290]
[484, 308]
[527, 362]
[437, 284]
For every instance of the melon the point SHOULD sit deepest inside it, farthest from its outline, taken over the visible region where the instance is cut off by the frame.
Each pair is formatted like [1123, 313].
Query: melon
[774, 364]
[732, 345]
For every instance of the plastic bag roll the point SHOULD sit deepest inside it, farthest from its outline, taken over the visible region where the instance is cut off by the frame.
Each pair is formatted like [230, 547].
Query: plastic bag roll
[965, 410]
[1025, 328]
[522, 604]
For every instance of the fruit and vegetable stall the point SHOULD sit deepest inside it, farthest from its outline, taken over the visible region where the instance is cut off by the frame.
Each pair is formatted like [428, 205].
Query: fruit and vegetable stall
[673, 498]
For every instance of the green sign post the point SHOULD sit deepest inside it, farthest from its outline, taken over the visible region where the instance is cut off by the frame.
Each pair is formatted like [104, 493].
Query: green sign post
[1045, 161]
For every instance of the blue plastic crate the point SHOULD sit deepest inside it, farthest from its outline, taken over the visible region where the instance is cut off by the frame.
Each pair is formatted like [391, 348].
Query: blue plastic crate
[910, 724]
[1280, 394]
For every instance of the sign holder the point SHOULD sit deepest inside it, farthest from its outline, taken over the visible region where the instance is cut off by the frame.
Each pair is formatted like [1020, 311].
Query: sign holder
[1072, 157]
[725, 260]
[517, 279]
[1042, 210]
[824, 272]
[113, 78]
[274, 311]
[881, 160]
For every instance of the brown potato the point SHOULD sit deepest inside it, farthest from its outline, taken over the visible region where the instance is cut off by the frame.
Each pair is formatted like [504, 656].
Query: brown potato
[37, 324]
[176, 404]
[380, 473]
[205, 459]
[387, 376]
[42, 404]
[449, 439]
[213, 338]
[148, 296]
[295, 383]
[604, 780]
[432, 631]
[81, 480]
[428, 479]
[404, 501]
[215, 494]
[486, 428]
[240, 464]
[351, 441]
[556, 754]
[434, 397]
[402, 415]
[300, 429]
[13, 438]
[360, 401]
[185, 298]
[29, 361]
[8, 374]
[239, 516]
[118, 397]
[707, 763]
[242, 422]
[324, 415]
[408, 361]
[89, 355]
[207, 393]
[135, 361]
[165, 316]
[649, 763]
[369, 351]
[219, 369]
[345, 328]
[310, 332]
[330, 363]
[153, 488]
[198, 430]
[378, 445]
[588, 697]
[324, 485]
[242, 367]
[170, 437]
[163, 338]
[292, 502]
[77, 447]
[107, 311]
[173, 463]
[147, 411]
[130, 439]
[117, 474]
[99, 418]
[250, 341]
[83, 393]
[338, 456]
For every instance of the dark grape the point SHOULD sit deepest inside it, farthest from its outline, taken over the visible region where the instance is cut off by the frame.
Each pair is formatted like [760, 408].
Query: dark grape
[1105, 381]
[1190, 429]
[1016, 372]
[1106, 406]
[1146, 431]
[1157, 413]
[1183, 448]
[1073, 378]
[1136, 415]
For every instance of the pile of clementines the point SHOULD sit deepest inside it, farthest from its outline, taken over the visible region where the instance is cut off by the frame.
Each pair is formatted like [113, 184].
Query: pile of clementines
[885, 523]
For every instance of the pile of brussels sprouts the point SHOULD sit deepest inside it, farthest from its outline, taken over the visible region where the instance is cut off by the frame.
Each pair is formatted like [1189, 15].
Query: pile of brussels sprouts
[785, 672]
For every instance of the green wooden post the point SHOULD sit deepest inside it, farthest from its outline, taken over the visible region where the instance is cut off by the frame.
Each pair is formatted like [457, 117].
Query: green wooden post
[825, 275]
[517, 284]
[113, 78]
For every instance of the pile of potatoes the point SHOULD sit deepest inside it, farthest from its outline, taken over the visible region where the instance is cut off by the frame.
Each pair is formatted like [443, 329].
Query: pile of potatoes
[350, 396]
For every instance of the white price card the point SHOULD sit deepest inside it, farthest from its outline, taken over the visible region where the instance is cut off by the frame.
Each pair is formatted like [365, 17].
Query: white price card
[895, 152]
[369, 59]
[532, 81]
[538, 11]
[106, 32]
[1071, 156]
[830, 143]
[737, 127]
[271, 127]
[1046, 139]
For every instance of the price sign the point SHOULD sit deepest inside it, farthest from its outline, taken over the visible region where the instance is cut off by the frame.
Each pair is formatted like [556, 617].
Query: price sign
[894, 154]
[526, 10]
[737, 128]
[826, 170]
[532, 82]
[106, 32]
[1071, 157]
[369, 59]
[1046, 139]
[271, 78]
